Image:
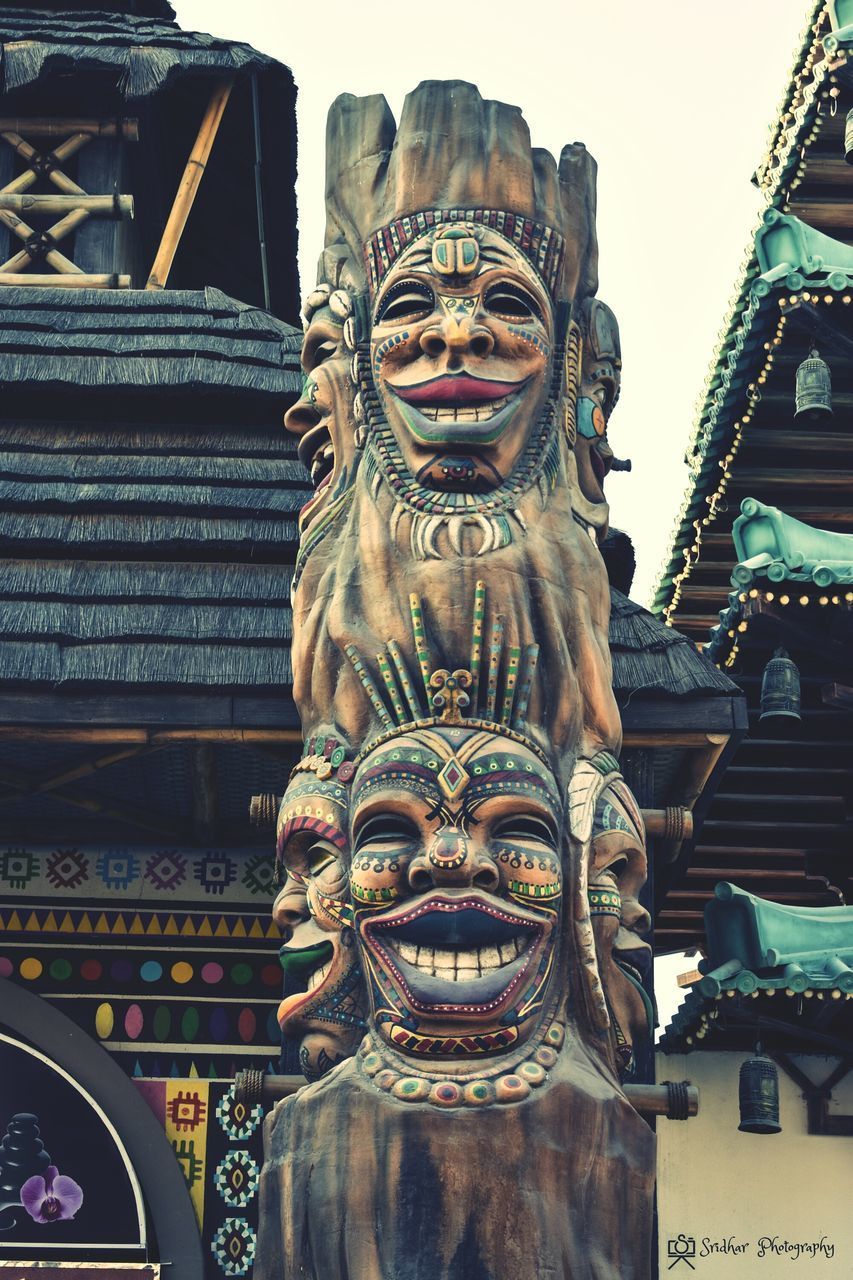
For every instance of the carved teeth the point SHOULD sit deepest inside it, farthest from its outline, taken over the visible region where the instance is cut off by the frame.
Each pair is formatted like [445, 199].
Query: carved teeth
[457, 965]
[462, 413]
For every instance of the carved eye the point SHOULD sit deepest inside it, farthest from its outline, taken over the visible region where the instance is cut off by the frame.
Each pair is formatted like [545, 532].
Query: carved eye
[407, 301]
[326, 869]
[315, 353]
[511, 302]
[525, 828]
[386, 830]
[319, 857]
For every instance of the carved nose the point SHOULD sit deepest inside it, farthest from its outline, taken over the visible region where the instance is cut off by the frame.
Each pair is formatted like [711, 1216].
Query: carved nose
[453, 859]
[301, 417]
[456, 337]
[635, 916]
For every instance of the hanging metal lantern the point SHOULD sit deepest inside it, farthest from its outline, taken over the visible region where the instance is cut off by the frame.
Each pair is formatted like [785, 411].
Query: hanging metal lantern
[780, 690]
[814, 388]
[848, 137]
[758, 1095]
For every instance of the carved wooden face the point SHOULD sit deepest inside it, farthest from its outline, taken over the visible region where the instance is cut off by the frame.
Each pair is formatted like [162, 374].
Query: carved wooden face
[456, 883]
[598, 391]
[319, 948]
[461, 355]
[617, 874]
[322, 417]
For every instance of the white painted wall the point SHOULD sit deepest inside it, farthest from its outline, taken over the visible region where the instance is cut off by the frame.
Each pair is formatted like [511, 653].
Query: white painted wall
[717, 1186]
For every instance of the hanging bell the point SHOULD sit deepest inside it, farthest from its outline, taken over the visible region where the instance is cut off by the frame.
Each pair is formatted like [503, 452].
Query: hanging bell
[758, 1095]
[848, 137]
[780, 690]
[813, 389]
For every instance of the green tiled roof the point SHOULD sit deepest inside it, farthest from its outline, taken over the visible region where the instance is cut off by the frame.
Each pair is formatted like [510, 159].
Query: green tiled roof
[755, 947]
[774, 546]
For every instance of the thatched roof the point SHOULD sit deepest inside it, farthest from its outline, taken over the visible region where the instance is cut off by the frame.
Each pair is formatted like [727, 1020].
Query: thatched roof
[99, 340]
[141, 53]
[650, 657]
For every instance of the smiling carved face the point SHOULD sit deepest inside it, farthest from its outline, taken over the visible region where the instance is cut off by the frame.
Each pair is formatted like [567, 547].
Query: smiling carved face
[456, 886]
[324, 1012]
[461, 344]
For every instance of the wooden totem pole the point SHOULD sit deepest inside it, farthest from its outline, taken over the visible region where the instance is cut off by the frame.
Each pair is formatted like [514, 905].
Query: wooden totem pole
[463, 858]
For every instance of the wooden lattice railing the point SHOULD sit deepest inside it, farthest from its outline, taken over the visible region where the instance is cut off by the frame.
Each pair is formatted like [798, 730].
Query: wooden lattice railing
[73, 204]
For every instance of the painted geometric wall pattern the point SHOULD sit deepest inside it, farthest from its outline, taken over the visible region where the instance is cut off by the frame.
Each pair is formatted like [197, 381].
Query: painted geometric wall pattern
[218, 1144]
[142, 875]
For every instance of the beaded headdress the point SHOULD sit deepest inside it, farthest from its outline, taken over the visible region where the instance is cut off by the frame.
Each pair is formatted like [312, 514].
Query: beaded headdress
[492, 692]
[456, 157]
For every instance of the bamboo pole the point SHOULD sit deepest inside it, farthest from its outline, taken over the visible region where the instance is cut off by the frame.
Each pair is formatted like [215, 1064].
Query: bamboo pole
[23, 231]
[189, 185]
[675, 823]
[674, 738]
[112, 733]
[105, 206]
[88, 767]
[44, 127]
[76, 280]
[65, 150]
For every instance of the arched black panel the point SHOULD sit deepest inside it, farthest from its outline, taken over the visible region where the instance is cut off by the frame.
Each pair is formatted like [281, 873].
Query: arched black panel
[170, 1210]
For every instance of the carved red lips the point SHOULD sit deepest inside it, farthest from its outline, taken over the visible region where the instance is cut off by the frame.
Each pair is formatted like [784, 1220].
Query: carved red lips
[455, 389]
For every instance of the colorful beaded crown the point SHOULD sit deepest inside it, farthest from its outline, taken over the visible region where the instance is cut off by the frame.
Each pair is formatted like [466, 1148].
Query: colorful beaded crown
[492, 692]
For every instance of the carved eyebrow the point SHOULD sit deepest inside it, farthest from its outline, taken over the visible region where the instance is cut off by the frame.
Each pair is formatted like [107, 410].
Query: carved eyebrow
[495, 253]
[416, 258]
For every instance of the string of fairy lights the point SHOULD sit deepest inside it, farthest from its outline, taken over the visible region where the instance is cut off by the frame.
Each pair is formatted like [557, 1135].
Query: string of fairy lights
[813, 87]
[716, 499]
[780, 600]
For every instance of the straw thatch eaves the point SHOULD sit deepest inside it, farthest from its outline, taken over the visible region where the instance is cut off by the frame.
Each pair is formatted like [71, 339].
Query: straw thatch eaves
[142, 53]
[125, 339]
[148, 491]
[651, 658]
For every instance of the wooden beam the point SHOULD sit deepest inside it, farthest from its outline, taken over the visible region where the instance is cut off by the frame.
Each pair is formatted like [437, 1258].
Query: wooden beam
[796, 478]
[661, 738]
[186, 194]
[800, 440]
[674, 823]
[18, 279]
[830, 213]
[203, 776]
[830, 171]
[152, 737]
[837, 695]
[106, 206]
[47, 127]
[86, 709]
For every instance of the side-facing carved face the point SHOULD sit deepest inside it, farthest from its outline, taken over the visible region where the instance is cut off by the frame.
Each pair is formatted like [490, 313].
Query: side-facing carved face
[456, 884]
[322, 417]
[617, 874]
[600, 380]
[461, 348]
[319, 950]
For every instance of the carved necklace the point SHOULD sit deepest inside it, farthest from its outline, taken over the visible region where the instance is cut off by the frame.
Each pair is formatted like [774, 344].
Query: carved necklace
[430, 509]
[506, 1082]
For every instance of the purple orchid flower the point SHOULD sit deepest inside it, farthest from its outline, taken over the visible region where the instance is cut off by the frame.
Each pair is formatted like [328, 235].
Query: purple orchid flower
[52, 1198]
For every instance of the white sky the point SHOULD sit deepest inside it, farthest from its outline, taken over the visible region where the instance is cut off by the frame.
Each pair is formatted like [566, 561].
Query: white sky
[674, 98]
